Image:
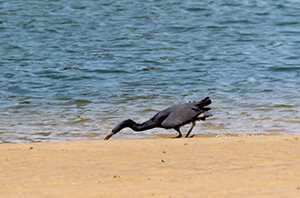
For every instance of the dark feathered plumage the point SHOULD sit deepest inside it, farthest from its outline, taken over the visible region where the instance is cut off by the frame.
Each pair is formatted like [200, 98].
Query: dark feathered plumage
[172, 117]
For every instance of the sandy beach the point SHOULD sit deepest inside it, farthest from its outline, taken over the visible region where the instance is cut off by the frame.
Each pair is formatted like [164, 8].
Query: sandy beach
[264, 166]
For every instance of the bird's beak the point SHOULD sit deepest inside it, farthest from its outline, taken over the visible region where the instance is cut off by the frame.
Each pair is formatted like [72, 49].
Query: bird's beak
[111, 134]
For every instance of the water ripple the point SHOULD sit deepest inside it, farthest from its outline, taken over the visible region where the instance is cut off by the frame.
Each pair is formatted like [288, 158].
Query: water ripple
[73, 69]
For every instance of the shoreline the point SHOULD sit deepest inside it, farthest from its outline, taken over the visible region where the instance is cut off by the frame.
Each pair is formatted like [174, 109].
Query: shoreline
[251, 166]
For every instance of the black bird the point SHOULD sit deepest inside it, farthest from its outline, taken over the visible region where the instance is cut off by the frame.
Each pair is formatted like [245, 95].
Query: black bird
[172, 117]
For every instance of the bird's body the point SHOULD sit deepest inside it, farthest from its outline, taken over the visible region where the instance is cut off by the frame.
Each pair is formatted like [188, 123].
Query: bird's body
[172, 117]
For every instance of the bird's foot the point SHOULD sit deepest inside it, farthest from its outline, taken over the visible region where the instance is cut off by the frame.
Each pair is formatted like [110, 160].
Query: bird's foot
[191, 136]
[179, 136]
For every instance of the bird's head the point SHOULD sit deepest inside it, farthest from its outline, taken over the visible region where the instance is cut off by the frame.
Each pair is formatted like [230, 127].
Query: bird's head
[119, 127]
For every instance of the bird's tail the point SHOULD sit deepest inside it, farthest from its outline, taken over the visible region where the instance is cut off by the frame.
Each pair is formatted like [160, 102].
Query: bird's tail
[205, 102]
[204, 115]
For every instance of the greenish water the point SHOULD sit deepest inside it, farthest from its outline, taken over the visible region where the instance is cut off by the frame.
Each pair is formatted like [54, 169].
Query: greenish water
[73, 69]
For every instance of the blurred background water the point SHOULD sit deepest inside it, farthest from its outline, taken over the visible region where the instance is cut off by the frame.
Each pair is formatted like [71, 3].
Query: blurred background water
[71, 70]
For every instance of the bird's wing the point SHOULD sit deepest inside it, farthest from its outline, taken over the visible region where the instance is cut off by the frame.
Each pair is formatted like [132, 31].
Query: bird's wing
[180, 117]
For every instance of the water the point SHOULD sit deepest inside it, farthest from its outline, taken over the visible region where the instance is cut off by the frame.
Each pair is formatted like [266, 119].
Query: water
[71, 70]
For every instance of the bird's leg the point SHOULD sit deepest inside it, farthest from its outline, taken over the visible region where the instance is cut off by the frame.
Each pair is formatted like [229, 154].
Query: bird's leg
[180, 135]
[188, 133]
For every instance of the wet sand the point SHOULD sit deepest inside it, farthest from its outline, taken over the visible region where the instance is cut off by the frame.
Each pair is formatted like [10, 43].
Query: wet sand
[264, 166]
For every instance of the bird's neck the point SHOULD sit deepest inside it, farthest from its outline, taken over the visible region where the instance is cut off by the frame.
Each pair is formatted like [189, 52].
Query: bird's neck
[142, 127]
